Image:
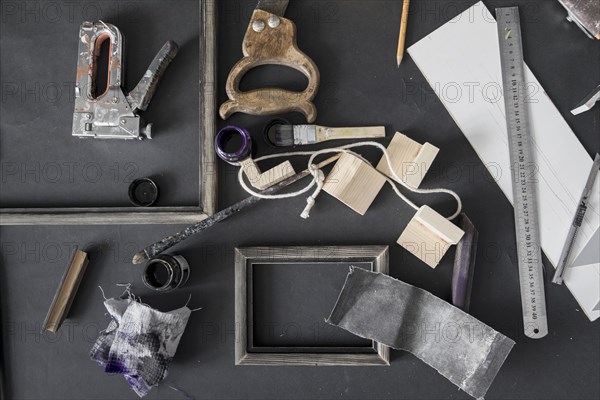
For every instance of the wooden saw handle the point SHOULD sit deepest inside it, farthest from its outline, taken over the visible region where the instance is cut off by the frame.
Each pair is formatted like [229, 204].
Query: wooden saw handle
[275, 43]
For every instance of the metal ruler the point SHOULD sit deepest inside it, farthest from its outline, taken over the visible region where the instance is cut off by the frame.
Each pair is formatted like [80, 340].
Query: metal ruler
[524, 174]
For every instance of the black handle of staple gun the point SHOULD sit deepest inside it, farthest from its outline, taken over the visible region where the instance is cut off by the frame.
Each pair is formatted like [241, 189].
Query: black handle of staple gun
[141, 95]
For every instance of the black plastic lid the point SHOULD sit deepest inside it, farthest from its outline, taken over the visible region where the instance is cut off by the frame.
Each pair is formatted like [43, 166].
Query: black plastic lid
[143, 192]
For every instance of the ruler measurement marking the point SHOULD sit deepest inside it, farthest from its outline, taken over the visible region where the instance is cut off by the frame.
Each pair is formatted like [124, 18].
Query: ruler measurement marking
[523, 170]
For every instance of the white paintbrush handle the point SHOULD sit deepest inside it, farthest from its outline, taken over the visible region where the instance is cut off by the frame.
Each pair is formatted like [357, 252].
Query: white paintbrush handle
[367, 132]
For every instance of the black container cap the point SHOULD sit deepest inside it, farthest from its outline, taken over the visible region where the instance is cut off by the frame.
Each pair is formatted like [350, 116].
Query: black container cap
[143, 192]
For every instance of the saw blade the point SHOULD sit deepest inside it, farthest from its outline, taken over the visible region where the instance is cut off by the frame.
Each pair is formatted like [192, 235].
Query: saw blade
[276, 7]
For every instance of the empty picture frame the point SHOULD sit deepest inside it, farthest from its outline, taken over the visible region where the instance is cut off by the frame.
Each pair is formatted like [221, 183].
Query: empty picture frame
[207, 197]
[257, 263]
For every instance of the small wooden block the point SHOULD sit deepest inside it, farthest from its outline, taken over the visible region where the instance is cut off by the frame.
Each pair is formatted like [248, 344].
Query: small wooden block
[429, 236]
[410, 159]
[354, 182]
[264, 180]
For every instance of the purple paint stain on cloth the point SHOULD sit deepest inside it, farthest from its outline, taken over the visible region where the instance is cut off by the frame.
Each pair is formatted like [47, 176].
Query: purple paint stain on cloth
[139, 342]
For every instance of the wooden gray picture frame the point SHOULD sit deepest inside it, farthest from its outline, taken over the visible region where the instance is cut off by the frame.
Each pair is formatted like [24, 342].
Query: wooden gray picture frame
[246, 257]
[207, 201]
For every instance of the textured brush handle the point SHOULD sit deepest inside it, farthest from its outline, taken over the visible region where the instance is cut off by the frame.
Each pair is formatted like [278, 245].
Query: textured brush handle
[324, 133]
[170, 241]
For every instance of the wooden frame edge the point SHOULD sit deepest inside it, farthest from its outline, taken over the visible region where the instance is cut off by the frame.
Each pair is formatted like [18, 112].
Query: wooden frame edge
[380, 257]
[314, 359]
[240, 307]
[208, 106]
[66, 217]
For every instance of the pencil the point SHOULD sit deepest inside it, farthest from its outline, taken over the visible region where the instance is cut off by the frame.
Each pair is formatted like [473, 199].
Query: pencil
[170, 241]
[402, 34]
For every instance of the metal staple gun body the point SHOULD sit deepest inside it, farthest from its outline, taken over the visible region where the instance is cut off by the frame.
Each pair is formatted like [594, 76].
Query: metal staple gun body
[109, 113]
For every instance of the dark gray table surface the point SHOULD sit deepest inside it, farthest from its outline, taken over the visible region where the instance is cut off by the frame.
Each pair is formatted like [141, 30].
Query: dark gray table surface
[353, 42]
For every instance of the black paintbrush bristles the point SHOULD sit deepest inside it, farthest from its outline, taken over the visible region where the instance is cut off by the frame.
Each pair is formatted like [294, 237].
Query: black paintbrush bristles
[284, 135]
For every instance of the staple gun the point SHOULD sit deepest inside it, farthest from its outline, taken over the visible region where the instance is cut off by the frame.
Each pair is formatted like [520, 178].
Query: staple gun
[107, 112]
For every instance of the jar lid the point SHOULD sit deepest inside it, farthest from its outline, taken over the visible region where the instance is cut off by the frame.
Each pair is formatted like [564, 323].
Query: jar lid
[143, 192]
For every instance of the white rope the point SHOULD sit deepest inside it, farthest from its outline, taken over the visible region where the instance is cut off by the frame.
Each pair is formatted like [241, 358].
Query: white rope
[102, 290]
[188, 302]
[318, 174]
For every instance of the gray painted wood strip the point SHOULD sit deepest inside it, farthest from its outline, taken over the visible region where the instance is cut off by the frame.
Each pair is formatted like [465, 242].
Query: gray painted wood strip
[208, 106]
[50, 217]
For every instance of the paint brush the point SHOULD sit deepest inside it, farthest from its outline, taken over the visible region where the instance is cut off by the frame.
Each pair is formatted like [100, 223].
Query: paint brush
[170, 241]
[291, 135]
